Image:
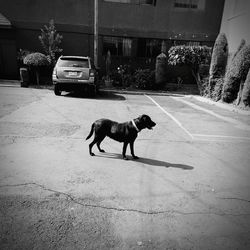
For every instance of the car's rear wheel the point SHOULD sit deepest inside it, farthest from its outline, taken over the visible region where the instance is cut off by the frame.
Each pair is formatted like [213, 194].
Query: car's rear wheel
[57, 91]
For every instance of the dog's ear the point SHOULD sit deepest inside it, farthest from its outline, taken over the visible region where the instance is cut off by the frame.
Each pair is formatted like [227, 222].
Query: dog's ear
[143, 117]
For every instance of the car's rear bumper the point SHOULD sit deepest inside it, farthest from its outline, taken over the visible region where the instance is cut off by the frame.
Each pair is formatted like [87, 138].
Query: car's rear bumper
[91, 80]
[74, 86]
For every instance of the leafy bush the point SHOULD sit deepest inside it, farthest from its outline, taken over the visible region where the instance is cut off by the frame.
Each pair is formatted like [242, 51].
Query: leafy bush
[236, 73]
[122, 76]
[36, 59]
[190, 55]
[246, 91]
[218, 61]
[144, 79]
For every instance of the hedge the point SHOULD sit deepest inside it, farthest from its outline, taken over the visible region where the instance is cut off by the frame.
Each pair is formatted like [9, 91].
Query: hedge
[246, 91]
[219, 57]
[236, 73]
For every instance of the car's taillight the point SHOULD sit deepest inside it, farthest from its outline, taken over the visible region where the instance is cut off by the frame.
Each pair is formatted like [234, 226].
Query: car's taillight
[91, 73]
[54, 73]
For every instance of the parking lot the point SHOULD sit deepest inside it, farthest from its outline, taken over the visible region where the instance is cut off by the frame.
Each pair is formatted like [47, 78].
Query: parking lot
[190, 188]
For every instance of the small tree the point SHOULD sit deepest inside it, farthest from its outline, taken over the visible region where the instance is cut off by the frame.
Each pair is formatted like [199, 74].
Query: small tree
[51, 41]
[236, 75]
[218, 64]
[245, 99]
[190, 55]
[36, 60]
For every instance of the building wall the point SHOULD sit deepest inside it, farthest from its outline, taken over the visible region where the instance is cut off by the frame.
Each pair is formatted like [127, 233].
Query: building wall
[235, 22]
[8, 54]
[162, 21]
[74, 20]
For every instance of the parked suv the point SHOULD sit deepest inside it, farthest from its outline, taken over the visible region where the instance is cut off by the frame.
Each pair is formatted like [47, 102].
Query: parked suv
[74, 73]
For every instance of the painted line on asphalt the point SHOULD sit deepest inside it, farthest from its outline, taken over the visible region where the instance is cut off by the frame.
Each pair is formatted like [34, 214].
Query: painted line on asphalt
[222, 136]
[238, 124]
[40, 137]
[171, 116]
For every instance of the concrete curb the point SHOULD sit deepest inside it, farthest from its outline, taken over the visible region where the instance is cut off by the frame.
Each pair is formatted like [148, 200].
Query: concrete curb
[9, 83]
[146, 92]
[229, 107]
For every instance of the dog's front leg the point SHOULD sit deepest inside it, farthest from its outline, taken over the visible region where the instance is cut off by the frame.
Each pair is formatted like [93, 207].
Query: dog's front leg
[124, 151]
[132, 150]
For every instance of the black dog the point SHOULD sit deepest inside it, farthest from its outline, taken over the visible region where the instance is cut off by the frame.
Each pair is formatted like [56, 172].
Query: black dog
[123, 132]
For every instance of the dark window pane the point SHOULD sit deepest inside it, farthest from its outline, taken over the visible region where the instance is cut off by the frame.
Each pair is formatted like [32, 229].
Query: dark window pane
[141, 47]
[68, 62]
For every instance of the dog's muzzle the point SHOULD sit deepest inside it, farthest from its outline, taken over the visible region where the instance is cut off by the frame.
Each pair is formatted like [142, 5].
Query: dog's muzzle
[151, 125]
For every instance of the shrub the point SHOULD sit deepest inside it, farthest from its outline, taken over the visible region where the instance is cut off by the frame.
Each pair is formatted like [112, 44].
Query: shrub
[246, 91]
[34, 61]
[215, 93]
[144, 79]
[204, 91]
[218, 61]
[190, 55]
[236, 73]
[122, 76]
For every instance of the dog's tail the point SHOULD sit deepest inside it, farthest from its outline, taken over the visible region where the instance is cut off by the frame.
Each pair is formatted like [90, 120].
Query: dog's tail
[91, 131]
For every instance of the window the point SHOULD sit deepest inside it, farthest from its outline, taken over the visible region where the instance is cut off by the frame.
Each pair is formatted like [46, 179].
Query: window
[73, 62]
[190, 4]
[139, 2]
[152, 2]
[148, 47]
[117, 46]
[119, 1]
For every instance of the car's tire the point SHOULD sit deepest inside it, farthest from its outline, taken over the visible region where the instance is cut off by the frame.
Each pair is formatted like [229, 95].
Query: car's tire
[57, 91]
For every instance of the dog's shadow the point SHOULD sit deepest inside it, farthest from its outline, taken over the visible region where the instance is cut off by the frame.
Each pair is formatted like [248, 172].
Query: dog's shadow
[151, 162]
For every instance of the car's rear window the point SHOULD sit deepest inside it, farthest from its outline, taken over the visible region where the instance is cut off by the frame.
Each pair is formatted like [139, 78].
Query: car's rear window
[73, 62]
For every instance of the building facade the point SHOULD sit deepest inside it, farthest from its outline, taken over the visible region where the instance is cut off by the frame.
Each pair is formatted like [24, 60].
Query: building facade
[235, 23]
[132, 30]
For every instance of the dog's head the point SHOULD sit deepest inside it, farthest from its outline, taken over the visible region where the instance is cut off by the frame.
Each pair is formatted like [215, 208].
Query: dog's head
[144, 121]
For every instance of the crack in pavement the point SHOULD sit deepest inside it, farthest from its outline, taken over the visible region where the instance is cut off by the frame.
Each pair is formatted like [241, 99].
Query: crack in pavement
[72, 198]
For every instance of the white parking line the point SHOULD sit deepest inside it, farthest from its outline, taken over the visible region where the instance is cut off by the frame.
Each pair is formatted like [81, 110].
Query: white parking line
[171, 116]
[222, 136]
[227, 119]
[200, 136]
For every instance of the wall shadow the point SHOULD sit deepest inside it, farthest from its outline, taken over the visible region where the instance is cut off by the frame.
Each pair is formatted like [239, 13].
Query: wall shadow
[148, 161]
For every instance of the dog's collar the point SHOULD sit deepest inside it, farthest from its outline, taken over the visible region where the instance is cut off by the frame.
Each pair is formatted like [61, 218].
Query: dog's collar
[137, 129]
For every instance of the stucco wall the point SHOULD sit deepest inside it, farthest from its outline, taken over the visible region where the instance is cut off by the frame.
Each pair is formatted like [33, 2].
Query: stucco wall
[235, 22]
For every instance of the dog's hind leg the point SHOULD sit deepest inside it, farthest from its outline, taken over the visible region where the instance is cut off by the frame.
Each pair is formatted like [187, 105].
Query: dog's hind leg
[92, 144]
[98, 144]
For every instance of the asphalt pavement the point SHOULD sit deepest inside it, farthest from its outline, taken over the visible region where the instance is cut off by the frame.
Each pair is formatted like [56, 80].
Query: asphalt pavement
[189, 189]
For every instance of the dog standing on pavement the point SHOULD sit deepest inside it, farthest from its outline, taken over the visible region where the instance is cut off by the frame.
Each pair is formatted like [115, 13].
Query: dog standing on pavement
[123, 132]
